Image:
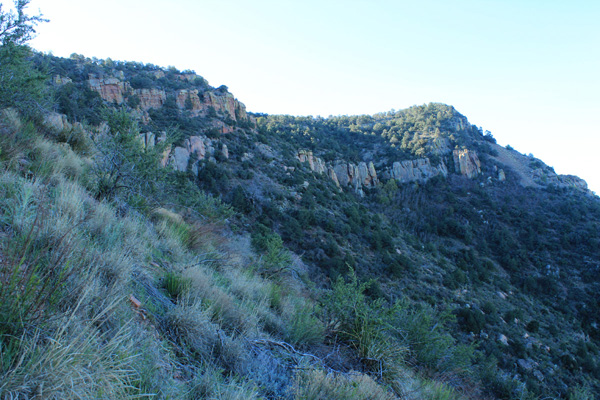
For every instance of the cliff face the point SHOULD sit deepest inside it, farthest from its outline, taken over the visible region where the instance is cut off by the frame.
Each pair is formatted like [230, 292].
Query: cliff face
[110, 89]
[117, 91]
[356, 176]
[416, 170]
[342, 174]
[364, 174]
[466, 163]
[200, 104]
[151, 98]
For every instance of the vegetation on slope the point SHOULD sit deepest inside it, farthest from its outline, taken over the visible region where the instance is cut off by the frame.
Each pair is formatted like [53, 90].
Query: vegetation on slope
[258, 278]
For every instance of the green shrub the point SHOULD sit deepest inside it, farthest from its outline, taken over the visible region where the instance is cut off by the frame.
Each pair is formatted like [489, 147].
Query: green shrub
[365, 325]
[305, 327]
[428, 340]
[471, 320]
[22, 86]
[270, 244]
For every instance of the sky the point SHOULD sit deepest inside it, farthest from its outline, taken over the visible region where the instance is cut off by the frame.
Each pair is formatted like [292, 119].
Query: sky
[526, 70]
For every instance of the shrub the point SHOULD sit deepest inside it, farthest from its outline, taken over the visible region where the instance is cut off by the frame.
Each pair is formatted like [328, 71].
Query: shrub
[271, 245]
[429, 342]
[471, 320]
[21, 84]
[211, 384]
[365, 326]
[305, 327]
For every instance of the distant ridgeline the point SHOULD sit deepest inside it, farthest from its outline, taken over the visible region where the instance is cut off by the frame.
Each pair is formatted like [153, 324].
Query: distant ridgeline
[414, 145]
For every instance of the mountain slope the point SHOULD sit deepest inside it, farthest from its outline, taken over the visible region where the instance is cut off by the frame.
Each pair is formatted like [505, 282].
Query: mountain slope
[399, 255]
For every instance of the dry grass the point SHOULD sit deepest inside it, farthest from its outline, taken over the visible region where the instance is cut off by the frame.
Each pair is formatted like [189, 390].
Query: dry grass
[58, 159]
[74, 361]
[212, 385]
[319, 385]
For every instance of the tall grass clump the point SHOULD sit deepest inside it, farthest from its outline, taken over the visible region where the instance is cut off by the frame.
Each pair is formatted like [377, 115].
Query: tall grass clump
[319, 385]
[72, 361]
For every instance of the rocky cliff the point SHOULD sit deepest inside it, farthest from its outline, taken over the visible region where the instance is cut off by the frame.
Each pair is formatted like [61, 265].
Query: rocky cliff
[466, 163]
[194, 148]
[364, 174]
[418, 170]
[343, 174]
[111, 89]
[200, 104]
[116, 91]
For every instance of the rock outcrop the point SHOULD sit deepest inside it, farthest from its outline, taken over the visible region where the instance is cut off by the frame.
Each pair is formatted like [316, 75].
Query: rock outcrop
[501, 175]
[60, 123]
[201, 103]
[57, 121]
[364, 174]
[225, 151]
[466, 163]
[110, 89]
[179, 157]
[61, 80]
[151, 98]
[547, 176]
[315, 164]
[115, 90]
[418, 170]
[342, 173]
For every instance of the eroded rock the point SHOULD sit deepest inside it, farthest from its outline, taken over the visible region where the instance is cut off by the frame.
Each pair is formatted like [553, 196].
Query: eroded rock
[466, 163]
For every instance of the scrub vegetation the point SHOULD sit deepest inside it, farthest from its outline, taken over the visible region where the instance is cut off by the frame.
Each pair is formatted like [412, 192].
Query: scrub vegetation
[246, 274]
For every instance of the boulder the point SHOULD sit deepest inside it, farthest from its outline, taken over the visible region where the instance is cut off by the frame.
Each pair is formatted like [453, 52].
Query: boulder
[501, 175]
[57, 121]
[181, 158]
[225, 151]
[503, 339]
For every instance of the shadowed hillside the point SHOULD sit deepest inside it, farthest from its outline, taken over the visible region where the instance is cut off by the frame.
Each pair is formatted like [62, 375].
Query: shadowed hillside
[158, 240]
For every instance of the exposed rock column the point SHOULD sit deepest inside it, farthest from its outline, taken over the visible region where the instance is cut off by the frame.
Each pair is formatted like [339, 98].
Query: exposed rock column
[466, 163]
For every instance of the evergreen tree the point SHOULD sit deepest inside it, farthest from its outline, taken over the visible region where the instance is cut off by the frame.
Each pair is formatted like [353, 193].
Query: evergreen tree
[21, 84]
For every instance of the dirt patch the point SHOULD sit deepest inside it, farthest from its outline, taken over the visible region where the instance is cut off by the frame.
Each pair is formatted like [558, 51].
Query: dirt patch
[517, 162]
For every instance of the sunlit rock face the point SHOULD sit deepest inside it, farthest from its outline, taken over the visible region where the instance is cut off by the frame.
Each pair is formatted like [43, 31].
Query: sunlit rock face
[416, 170]
[466, 163]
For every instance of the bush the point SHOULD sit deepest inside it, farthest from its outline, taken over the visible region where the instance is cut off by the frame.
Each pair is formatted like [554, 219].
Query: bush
[305, 328]
[365, 326]
[271, 246]
[471, 320]
[175, 284]
[429, 342]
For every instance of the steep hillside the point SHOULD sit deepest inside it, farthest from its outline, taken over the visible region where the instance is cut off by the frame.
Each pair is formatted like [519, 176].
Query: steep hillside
[156, 239]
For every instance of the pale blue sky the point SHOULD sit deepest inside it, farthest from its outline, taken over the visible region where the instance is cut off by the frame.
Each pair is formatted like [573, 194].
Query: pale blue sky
[527, 70]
